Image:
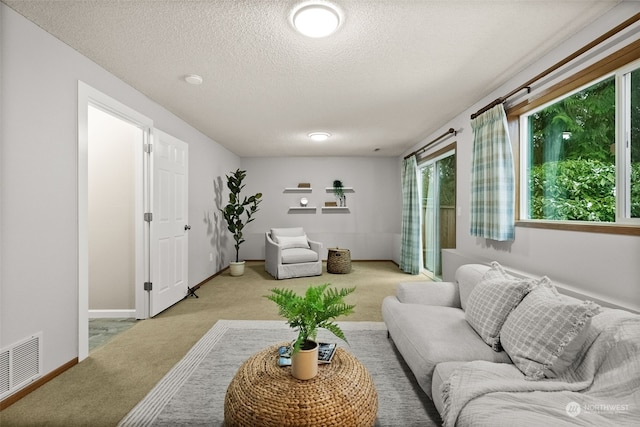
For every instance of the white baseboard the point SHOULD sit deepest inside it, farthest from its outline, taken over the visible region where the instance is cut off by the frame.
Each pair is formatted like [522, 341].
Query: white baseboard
[112, 314]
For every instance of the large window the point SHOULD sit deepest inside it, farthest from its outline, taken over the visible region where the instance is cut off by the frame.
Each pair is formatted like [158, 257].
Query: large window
[581, 153]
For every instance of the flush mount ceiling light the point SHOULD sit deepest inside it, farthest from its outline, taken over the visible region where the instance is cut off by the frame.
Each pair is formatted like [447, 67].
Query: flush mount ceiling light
[319, 136]
[193, 79]
[316, 20]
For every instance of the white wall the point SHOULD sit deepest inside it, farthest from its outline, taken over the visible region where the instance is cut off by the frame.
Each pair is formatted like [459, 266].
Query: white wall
[603, 265]
[208, 242]
[367, 230]
[39, 271]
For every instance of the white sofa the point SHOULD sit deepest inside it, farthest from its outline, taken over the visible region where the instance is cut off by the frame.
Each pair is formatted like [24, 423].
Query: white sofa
[289, 253]
[473, 384]
[426, 321]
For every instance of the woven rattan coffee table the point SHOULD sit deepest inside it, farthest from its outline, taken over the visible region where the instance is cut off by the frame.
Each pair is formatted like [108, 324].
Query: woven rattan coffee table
[265, 394]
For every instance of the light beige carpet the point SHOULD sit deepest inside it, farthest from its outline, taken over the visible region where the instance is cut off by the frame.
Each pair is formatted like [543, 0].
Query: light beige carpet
[103, 388]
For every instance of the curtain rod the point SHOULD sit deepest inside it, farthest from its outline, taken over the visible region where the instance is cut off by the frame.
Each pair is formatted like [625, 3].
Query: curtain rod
[420, 150]
[553, 68]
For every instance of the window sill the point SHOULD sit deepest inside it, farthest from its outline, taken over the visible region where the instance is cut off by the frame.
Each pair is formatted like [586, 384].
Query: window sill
[626, 229]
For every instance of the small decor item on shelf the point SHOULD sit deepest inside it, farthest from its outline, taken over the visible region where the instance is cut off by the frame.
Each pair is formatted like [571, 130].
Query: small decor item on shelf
[316, 309]
[330, 204]
[304, 185]
[338, 190]
[304, 202]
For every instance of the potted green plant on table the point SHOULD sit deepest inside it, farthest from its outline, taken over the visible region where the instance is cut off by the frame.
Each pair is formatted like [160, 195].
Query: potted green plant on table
[238, 213]
[317, 309]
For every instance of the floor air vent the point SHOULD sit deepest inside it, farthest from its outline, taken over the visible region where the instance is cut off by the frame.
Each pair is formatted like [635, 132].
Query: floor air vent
[20, 364]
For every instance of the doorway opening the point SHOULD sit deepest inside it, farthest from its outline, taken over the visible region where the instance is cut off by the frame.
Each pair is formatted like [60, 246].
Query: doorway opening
[113, 144]
[141, 223]
[113, 167]
[438, 207]
[126, 221]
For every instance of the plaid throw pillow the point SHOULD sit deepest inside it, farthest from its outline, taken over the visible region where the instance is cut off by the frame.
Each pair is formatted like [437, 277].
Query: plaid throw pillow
[491, 301]
[544, 333]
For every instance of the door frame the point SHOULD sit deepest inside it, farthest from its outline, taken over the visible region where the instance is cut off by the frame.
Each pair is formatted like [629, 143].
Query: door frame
[90, 96]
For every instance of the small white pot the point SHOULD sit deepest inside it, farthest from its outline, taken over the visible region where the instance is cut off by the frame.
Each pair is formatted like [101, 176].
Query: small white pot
[236, 268]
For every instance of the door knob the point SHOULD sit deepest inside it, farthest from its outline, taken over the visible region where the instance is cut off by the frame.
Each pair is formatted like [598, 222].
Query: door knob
[187, 227]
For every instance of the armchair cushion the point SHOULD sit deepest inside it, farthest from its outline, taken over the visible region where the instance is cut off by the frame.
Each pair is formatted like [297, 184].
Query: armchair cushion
[288, 242]
[298, 255]
[287, 232]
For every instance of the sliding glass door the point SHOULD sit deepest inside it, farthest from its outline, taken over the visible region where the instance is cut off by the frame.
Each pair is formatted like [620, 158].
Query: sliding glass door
[438, 178]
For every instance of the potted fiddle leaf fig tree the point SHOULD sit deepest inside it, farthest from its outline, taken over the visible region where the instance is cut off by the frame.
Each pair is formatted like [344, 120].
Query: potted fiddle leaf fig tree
[307, 313]
[238, 213]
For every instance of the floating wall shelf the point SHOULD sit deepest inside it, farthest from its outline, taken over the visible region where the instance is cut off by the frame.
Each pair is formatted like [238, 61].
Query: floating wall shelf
[335, 209]
[345, 189]
[300, 209]
[297, 190]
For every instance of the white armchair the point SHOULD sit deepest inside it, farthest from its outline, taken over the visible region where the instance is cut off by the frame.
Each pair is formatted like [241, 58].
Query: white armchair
[289, 253]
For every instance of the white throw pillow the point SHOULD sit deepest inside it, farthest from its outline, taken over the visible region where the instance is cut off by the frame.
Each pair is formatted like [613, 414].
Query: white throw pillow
[288, 242]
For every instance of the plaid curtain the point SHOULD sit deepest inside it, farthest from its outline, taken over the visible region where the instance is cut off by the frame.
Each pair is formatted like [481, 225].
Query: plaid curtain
[492, 177]
[410, 238]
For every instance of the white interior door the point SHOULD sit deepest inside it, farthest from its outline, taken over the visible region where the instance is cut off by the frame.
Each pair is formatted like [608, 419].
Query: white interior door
[169, 222]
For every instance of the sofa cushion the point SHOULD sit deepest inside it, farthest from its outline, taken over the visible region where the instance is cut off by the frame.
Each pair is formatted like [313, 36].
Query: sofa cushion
[429, 293]
[467, 277]
[298, 255]
[440, 375]
[545, 332]
[288, 242]
[428, 335]
[492, 300]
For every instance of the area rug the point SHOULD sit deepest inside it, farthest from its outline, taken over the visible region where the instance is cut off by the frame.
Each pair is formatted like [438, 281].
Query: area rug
[192, 393]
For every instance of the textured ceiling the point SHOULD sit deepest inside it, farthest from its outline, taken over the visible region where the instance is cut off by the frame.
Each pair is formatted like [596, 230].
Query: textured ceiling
[394, 72]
